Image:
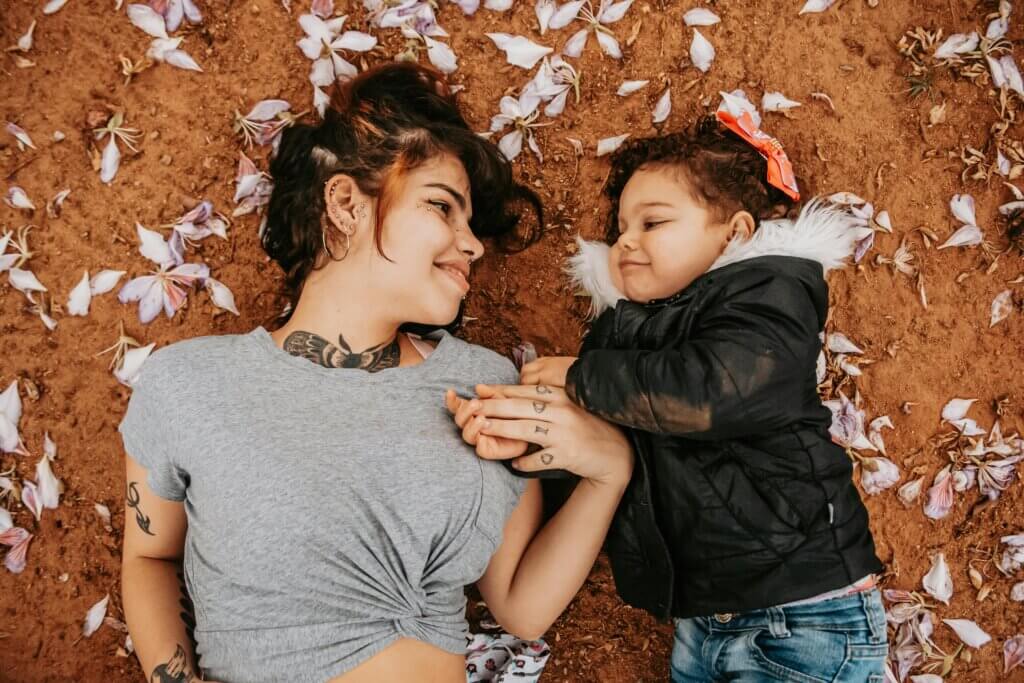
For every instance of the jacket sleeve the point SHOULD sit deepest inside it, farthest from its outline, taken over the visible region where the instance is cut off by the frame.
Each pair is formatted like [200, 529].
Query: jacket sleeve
[744, 369]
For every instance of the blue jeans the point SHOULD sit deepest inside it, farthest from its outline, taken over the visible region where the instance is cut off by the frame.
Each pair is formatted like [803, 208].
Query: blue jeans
[842, 640]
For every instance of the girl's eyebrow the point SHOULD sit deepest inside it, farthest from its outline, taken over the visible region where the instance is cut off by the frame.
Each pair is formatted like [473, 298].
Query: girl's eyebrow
[644, 205]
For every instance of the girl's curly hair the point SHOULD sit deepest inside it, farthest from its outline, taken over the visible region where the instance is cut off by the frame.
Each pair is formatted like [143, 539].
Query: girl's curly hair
[721, 171]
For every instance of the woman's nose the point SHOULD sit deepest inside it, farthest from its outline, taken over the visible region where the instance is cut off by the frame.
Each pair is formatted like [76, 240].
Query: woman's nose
[469, 245]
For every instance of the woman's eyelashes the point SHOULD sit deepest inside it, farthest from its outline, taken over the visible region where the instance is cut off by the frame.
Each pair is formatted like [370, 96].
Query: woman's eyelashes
[441, 206]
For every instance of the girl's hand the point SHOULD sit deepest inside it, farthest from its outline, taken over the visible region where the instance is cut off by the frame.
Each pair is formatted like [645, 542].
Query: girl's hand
[570, 438]
[464, 412]
[550, 370]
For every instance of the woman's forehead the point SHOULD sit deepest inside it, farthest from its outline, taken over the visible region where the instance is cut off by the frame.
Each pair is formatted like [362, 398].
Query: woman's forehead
[444, 168]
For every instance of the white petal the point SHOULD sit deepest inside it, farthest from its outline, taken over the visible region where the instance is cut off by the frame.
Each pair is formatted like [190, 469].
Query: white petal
[131, 364]
[556, 106]
[957, 44]
[19, 133]
[520, 51]
[966, 236]
[544, 9]
[221, 295]
[49, 447]
[968, 631]
[49, 487]
[1002, 306]
[996, 69]
[315, 27]
[840, 343]
[5, 520]
[565, 14]
[702, 53]
[664, 107]
[25, 280]
[153, 246]
[78, 300]
[574, 46]
[110, 162]
[1012, 74]
[957, 409]
[700, 16]
[159, 47]
[847, 198]
[612, 13]
[441, 55]
[321, 72]
[776, 101]
[1002, 163]
[25, 41]
[609, 44]
[512, 144]
[814, 6]
[104, 281]
[320, 101]
[10, 403]
[17, 198]
[182, 60]
[630, 87]
[997, 28]
[926, 678]
[938, 582]
[884, 221]
[609, 145]
[94, 618]
[909, 492]
[53, 6]
[148, 19]
[498, 5]
[736, 103]
[357, 41]
[962, 206]
[265, 110]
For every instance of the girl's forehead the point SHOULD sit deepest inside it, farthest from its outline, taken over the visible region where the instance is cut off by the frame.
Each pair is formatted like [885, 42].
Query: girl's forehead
[661, 184]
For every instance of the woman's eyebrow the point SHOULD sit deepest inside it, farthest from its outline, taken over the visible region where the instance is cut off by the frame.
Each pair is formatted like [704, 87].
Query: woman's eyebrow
[459, 199]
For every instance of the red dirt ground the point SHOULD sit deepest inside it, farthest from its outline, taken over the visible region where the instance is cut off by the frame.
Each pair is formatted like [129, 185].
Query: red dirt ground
[189, 152]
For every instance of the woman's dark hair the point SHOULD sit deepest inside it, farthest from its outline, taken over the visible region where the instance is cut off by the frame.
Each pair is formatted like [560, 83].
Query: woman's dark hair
[385, 122]
[722, 172]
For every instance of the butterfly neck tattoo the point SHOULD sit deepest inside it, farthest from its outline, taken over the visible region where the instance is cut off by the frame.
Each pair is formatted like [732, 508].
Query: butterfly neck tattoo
[322, 352]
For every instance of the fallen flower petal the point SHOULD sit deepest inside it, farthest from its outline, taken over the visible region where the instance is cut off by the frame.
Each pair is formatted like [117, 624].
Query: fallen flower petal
[875, 432]
[94, 617]
[609, 44]
[956, 44]
[266, 110]
[18, 539]
[25, 41]
[54, 206]
[53, 6]
[966, 236]
[776, 101]
[1013, 653]
[81, 295]
[968, 632]
[926, 678]
[18, 199]
[815, 6]
[147, 19]
[520, 51]
[702, 52]
[153, 246]
[700, 17]
[736, 103]
[940, 495]
[10, 415]
[131, 364]
[30, 498]
[181, 60]
[441, 55]
[25, 281]
[574, 46]
[110, 161]
[48, 486]
[840, 343]
[630, 87]
[609, 145]
[610, 13]
[962, 206]
[938, 582]
[1017, 592]
[878, 474]
[104, 281]
[1002, 306]
[909, 492]
[221, 295]
[664, 107]
[20, 135]
[957, 409]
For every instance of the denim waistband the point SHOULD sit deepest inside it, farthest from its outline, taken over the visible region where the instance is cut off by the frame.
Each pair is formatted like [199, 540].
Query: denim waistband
[858, 612]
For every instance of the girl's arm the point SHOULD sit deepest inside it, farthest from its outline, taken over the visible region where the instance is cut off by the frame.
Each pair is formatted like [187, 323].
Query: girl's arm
[534, 575]
[156, 604]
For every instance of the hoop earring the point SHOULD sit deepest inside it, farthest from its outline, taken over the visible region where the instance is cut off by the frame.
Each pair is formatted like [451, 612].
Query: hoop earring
[348, 245]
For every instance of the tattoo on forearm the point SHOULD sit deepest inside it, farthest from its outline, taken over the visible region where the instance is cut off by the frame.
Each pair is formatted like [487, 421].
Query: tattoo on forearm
[539, 406]
[175, 670]
[322, 352]
[132, 500]
[541, 389]
[188, 609]
[546, 458]
[540, 430]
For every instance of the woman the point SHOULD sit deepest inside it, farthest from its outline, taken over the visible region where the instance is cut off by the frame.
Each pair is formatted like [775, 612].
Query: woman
[326, 512]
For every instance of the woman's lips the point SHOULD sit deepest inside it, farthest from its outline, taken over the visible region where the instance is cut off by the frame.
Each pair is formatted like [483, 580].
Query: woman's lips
[457, 276]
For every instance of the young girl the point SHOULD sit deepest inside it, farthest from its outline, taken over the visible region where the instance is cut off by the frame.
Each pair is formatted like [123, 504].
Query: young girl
[741, 520]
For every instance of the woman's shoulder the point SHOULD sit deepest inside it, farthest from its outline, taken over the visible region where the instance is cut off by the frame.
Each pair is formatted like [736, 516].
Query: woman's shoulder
[480, 361]
[192, 359]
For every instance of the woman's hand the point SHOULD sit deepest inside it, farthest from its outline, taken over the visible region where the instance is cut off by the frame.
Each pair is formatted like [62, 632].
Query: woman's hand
[504, 418]
[550, 370]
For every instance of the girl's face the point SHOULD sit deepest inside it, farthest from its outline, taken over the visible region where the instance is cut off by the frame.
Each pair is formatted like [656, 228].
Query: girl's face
[666, 238]
[426, 236]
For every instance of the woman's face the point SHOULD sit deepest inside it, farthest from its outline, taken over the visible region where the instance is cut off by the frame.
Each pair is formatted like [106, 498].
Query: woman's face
[426, 236]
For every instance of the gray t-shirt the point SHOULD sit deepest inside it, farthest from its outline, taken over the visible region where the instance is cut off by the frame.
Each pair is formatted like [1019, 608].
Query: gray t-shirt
[330, 511]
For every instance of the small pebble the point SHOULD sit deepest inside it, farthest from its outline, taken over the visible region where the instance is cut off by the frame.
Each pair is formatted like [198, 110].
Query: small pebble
[58, 136]
[166, 160]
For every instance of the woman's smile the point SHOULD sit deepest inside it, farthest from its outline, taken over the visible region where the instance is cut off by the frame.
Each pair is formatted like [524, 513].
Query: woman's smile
[458, 271]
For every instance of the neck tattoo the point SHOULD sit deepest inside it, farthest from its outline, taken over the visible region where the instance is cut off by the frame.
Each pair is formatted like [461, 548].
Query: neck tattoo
[322, 352]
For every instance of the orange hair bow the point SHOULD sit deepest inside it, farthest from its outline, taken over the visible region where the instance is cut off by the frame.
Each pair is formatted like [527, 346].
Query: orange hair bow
[780, 170]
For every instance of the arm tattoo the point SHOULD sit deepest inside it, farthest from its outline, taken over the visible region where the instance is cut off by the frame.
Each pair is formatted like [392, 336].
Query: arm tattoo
[322, 352]
[541, 389]
[539, 406]
[188, 609]
[132, 500]
[546, 458]
[176, 670]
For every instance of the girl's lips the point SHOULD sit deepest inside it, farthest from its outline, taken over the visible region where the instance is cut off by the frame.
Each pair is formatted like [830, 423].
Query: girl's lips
[457, 276]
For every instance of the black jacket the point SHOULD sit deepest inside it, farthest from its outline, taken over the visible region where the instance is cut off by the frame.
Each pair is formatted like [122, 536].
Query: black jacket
[739, 498]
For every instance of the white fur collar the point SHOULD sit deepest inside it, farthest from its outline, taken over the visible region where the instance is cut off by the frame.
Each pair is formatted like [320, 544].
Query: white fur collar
[820, 233]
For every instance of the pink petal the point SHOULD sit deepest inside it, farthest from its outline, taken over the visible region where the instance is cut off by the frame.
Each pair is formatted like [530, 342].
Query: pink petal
[1013, 653]
[18, 554]
[940, 495]
[30, 498]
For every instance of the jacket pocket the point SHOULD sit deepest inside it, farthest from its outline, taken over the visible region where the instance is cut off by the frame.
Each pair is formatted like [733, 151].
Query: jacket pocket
[758, 507]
